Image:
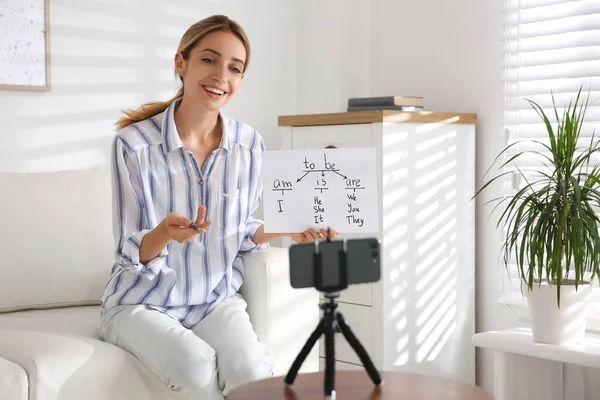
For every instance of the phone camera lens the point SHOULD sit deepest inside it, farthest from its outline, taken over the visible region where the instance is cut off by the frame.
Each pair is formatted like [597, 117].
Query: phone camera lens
[375, 253]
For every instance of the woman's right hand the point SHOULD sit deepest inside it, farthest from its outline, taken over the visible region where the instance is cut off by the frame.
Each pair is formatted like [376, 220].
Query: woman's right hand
[179, 228]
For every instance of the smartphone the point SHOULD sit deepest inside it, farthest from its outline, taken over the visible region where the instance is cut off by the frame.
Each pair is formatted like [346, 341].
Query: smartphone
[342, 262]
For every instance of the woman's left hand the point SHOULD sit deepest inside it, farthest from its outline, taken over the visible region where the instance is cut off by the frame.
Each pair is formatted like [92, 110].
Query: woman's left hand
[311, 235]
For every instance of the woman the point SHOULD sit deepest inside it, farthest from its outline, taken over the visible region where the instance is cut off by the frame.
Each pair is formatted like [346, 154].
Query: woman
[186, 184]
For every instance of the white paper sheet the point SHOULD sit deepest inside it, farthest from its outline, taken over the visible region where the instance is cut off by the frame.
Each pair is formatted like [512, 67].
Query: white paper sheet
[317, 189]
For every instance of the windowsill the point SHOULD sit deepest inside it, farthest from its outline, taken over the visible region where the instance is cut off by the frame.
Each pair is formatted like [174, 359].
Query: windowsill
[518, 304]
[520, 341]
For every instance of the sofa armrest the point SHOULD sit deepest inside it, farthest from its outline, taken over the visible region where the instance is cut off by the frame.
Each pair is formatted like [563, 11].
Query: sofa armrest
[13, 381]
[282, 317]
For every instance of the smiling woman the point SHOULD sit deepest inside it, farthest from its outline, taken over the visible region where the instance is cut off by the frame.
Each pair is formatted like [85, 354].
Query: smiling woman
[172, 297]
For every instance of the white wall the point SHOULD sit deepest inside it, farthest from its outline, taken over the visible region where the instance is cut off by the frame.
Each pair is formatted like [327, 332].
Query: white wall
[308, 56]
[334, 50]
[108, 55]
[450, 53]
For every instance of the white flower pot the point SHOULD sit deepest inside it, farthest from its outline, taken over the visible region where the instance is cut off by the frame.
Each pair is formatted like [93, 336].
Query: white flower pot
[554, 325]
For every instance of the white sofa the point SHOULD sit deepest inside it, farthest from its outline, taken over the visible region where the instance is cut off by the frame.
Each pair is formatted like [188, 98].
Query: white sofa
[56, 254]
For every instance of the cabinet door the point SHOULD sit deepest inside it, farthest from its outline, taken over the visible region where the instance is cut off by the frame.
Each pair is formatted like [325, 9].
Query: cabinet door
[339, 136]
[428, 287]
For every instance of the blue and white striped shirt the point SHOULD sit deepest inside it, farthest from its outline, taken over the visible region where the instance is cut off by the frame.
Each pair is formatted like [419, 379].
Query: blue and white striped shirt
[154, 175]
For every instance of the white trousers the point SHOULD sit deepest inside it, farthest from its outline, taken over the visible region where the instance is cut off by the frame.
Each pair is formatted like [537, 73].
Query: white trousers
[205, 362]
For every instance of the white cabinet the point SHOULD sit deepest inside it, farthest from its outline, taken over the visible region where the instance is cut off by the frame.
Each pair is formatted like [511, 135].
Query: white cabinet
[420, 316]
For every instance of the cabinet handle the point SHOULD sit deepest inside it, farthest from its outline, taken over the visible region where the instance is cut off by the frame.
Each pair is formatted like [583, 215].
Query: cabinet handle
[330, 147]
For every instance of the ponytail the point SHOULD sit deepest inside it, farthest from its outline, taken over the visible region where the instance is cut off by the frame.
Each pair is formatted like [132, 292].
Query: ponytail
[146, 111]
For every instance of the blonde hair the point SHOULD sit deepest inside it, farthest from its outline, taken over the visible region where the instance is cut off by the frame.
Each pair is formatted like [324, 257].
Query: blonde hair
[190, 38]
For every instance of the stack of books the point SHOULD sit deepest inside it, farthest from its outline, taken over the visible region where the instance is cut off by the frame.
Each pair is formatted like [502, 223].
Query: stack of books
[401, 103]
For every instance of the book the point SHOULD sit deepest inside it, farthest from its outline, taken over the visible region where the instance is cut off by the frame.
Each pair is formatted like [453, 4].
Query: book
[371, 108]
[414, 101]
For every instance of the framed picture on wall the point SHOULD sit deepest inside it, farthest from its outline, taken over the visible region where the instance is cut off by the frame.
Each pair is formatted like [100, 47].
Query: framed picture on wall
[24, 45]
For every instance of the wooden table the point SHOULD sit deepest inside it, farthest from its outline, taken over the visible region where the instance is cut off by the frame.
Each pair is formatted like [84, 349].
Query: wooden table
[356, 385]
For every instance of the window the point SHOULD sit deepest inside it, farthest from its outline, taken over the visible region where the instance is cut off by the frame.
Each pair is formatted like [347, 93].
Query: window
[549, 46]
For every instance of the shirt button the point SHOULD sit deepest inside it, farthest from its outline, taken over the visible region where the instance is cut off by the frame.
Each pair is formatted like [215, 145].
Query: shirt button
[200, 181]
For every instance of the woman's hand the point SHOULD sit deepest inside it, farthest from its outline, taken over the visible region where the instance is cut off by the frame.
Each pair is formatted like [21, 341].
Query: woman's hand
[181, 229]
[174, 227]
[311, 235]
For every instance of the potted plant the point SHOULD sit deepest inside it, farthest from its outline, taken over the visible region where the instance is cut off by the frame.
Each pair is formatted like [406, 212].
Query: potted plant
[552, 225]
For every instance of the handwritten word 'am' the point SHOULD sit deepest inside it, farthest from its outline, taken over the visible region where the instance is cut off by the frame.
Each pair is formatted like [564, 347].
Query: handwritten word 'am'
[278, 183]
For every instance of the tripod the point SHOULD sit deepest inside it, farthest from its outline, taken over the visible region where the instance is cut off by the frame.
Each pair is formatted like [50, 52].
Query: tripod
[331, 321]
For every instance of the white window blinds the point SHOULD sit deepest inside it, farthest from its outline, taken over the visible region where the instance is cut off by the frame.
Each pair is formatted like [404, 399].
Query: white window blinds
[550, 46]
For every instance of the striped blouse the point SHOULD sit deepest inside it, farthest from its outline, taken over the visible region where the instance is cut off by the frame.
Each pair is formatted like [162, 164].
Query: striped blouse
[154, 175]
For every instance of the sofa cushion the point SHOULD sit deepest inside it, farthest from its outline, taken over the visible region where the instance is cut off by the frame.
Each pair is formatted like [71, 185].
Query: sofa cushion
[13, 381]
[57, 246]
[63, 357]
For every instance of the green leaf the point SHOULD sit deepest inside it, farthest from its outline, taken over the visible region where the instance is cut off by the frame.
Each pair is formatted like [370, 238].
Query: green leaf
[551, 224]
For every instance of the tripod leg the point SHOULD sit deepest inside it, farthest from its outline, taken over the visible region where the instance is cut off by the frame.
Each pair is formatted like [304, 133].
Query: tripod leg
[329, 354]
[359, 349]
[291, 375]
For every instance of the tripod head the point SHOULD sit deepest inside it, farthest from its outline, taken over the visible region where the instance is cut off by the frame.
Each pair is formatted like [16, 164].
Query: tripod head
[318, 265]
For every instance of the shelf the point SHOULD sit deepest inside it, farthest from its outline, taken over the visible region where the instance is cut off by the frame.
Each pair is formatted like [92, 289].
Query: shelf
[367, 117]
[520, 341]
